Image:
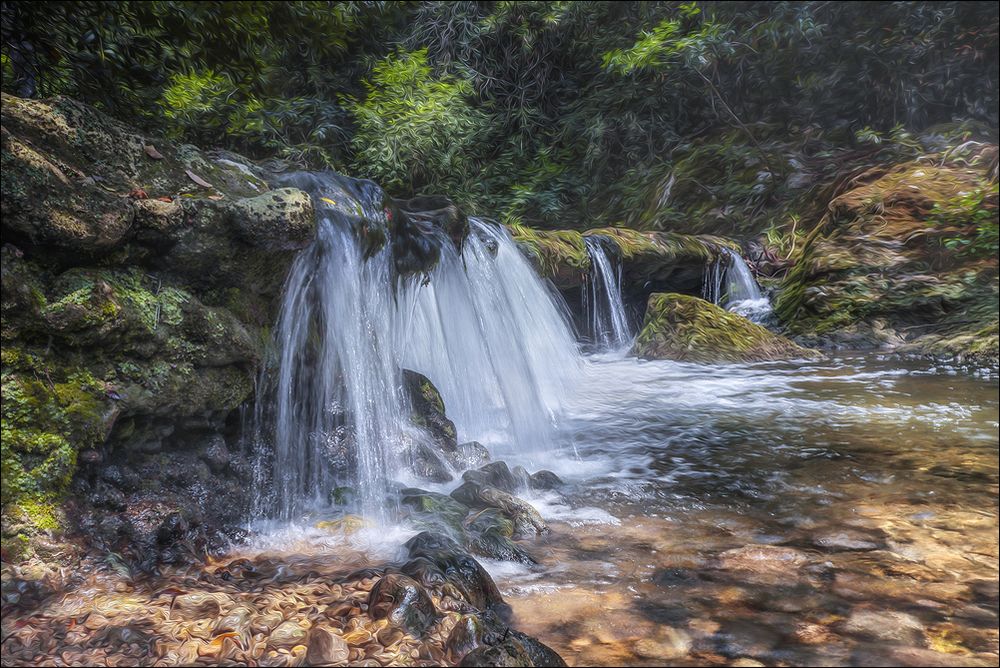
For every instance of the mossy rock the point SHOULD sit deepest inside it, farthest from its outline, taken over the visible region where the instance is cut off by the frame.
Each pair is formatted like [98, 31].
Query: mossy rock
[905, 257]
[49, 413]
[689, 329]
[559, 255]
[659, 257]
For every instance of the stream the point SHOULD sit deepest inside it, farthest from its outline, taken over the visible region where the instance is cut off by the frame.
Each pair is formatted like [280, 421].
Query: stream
[839, 512]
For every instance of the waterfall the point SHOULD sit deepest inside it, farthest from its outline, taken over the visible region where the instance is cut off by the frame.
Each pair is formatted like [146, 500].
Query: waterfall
[331, 410]
[492, 339]
[729, 283]
[602, 299]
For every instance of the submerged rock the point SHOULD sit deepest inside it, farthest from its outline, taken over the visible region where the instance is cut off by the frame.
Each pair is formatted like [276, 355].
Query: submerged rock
[326, 648]
[689, 329]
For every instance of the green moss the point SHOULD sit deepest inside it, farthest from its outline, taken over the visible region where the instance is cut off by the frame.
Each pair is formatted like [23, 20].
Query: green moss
[910, 245]
[554, 251]
[685, 328]
[49, 412]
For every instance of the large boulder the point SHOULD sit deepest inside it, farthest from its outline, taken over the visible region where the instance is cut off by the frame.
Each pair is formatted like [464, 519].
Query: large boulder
[689, 329]
[905, 258]
[140, 278]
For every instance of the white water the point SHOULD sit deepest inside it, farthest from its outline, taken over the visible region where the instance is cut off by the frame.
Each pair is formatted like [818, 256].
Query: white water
[602, 300]
[494, 342]
[730, 284]
[331, 407]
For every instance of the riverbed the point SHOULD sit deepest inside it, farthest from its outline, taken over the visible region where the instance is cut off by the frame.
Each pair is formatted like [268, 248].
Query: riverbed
[838, 512]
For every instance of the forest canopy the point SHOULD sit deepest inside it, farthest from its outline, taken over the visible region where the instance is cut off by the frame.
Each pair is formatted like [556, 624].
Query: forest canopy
[557, 114]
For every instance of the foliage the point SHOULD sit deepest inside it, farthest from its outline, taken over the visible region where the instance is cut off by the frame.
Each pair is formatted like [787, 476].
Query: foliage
[975, 209]
[557, 114]
[414, 130]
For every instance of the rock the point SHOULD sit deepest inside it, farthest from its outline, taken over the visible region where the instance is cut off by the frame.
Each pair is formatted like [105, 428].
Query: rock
[879, 277]
[236, 620]
[470, 455]
[288, 634]
[403, 602]
[765, 564]
[216, 454]
[326, 648]
[456, 567]
[425, 463]
[545, 480]
[516, 649]
[465, 636]
[676, 644]
[846, 540]
[429, 412]
[135, 311]
[886, 626]
[688, 329]
[527, 521]
[495, 474]
[442, 508]
[198, 604]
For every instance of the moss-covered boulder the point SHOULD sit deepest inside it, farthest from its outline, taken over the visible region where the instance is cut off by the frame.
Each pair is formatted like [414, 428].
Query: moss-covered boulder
[905, 257]
[661, 260]
[140, 278]
[688, 329]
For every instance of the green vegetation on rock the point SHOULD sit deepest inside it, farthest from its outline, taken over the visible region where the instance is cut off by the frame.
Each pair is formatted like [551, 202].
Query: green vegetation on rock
[688, 329]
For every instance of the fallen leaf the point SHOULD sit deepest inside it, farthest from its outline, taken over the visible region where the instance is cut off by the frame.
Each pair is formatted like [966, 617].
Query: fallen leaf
[138, 193]
[152, 152]
[328, 201]
[164, 198]
[216, 197]
[197, 179]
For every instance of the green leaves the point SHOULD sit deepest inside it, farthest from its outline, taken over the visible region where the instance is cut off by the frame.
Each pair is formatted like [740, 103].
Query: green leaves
[414, 129]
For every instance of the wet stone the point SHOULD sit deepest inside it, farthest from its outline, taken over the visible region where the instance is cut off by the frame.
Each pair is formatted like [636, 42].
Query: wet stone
[886, 626]
[197, 605]
[402, 601]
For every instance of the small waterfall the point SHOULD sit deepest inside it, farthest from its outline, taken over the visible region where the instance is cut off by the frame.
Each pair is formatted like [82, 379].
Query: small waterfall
[602, 299]
[332, 411]
[490, 336]
[729, 283]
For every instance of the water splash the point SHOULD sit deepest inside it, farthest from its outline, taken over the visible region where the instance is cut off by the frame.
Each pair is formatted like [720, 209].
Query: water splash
[729, 283]
[602, 299]
[332, 411]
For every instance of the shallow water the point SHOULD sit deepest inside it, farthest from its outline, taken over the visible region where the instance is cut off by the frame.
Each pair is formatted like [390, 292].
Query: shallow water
[840, 512]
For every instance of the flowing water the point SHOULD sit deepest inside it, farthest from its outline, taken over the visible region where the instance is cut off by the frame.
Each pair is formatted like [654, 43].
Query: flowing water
[730, 284]
[603, 306]
[332, 413]
[833, 512]
[840, 512]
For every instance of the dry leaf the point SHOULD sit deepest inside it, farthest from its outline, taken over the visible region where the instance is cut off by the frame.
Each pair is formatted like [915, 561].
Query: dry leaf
[197, 179]
[165, 199]
[152, 152]
[216, 197]
[328, 201]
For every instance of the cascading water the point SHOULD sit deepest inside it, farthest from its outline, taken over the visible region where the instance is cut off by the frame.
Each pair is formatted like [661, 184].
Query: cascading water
[331, 409]
[729, 283]
[602, 299]
[492, 339]
[334, 401]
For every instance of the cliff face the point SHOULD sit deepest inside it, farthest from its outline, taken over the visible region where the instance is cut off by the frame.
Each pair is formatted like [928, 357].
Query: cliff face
[139, 281]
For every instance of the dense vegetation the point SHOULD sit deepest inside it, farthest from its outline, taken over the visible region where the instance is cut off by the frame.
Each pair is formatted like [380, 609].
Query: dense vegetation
[558, 114]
